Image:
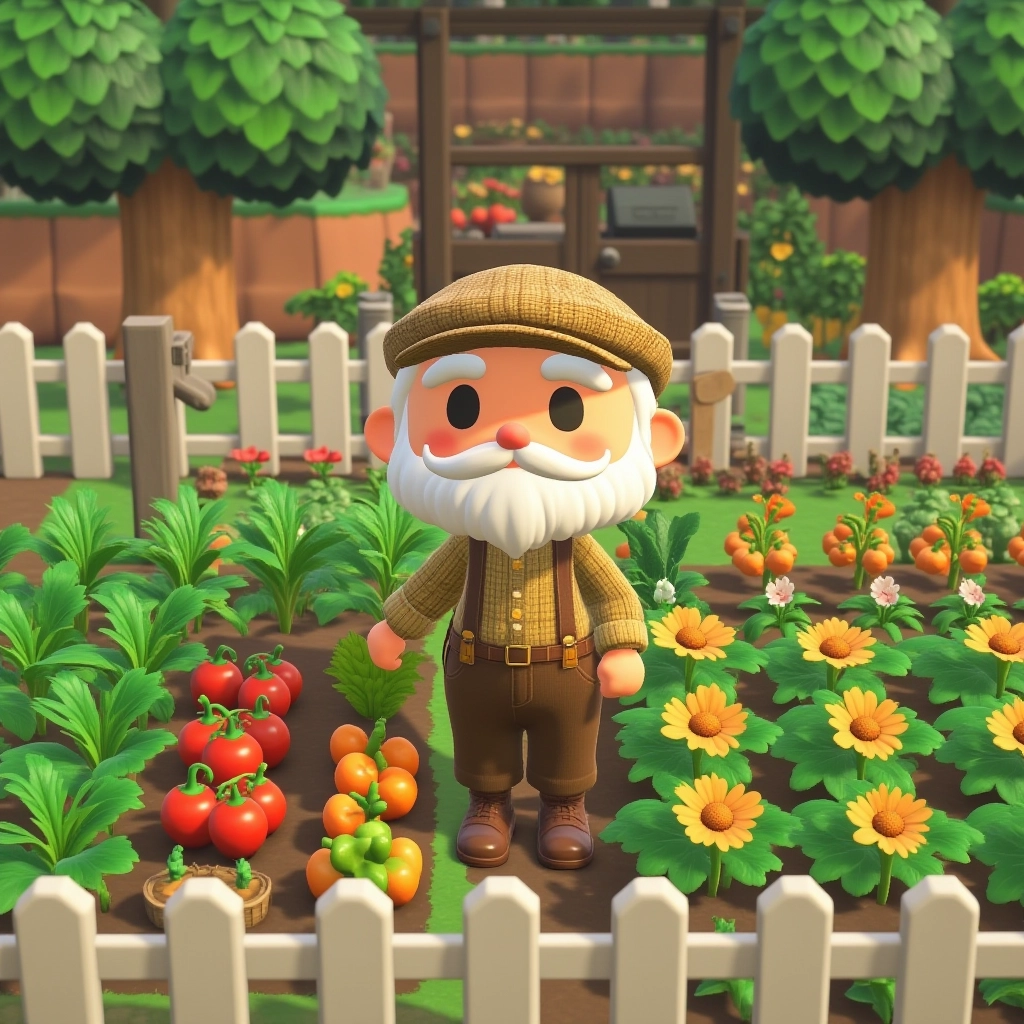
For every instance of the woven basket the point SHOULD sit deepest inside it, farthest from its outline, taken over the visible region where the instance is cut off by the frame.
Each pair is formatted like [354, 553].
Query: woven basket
[255, 906]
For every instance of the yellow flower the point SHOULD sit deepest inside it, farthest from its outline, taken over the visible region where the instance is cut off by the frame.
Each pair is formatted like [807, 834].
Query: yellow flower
[747, 167]
[836, 642]
[705, 721]
[869, 728]
[715, 815]
[742, 188]
[462, 131]
[894, 821]
[683, 631]
[781, 251]
[533, 132]
[407, 259]
[1006, 725]
[996, 636]
[476, 188]
[516, 122]
[686, 169]
[344, 290]
[624, 173]
[650, 169]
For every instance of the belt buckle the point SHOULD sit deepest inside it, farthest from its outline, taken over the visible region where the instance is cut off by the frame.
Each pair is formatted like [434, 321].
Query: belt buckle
[517, 647]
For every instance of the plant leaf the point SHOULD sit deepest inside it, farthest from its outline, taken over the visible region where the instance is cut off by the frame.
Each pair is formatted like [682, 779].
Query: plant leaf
[957, 672]
[970, 747]
[19, 868]
[373, 692]
[878, 993]
[1002, 849]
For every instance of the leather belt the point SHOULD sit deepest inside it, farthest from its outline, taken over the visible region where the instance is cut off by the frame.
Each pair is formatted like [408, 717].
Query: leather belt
[520, 655]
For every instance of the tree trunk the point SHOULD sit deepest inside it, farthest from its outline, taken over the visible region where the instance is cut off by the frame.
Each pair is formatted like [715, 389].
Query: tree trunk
[178, 260]
[923, 254]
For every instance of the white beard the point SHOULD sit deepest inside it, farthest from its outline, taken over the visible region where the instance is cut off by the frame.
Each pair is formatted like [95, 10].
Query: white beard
[515, 510]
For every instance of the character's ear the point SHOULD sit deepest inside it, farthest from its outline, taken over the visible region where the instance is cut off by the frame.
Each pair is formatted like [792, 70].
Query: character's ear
[667, 437]
[380, 432]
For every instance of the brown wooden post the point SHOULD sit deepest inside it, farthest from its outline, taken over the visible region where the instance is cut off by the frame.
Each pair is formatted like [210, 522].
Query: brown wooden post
[435, 133]
[582, 210]
[152, 417]
[721, 156]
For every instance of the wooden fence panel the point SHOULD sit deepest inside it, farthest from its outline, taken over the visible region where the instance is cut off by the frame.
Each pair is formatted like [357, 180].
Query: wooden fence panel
[55, 925]
[711, 348]
[650, 921]
[1013, 406]
[501, 924]
[939, 934]
[257, 392]
[790, 413]
[867, 398]
[85, 363]
[206, 954]
[794, 935]
[945, 404]
[379, 381]
[19, 405]
[355, 927]
[329, 392]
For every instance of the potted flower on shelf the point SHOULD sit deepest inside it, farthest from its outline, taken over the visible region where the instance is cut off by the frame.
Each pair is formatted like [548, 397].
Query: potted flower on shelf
[543, 194]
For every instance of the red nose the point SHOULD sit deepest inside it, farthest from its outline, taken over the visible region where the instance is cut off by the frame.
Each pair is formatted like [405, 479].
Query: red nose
[513, 436]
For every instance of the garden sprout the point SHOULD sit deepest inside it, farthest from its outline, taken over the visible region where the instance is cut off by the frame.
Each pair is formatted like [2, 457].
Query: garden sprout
[869, 728]
[892, 821]
[664, 592]
[707, 722]
[997, 637]
[1007, 726]
[692, 637]
[781, 606]
[838, 644]
[885, 608]
[717, 817]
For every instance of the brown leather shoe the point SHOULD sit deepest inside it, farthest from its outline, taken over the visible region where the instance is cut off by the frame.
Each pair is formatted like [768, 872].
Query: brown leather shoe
[486, 831]
[563, 833]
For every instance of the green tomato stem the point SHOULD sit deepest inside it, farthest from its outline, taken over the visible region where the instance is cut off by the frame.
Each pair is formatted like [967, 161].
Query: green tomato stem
[715, 874]
[192, 786]
[882, 895]
[377, 737]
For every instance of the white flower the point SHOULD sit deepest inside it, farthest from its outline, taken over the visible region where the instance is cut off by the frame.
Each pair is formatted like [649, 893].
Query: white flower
[886, 591]
[780, 591]
[664, 592]
[972, 593]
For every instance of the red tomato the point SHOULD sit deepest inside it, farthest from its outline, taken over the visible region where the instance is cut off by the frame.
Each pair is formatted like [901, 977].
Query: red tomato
[286, 670]
[269, 730]
[263, 682]
[232, 752]
[459, 220]
[480, 218]
[193, 738]
[185, 812]
[217, 679]
[268, 795]
[238, 825]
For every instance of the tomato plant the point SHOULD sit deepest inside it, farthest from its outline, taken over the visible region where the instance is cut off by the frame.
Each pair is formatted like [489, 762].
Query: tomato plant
[185, 812]
[269, 730]
[347, 739]
[285, 669]
[232, 751]
[398, 790]
[261, 682]
[218, 679]
[354, 774]
[267, 794]
[195, 735]
[856, 539]
[400, 753]
[238, 824]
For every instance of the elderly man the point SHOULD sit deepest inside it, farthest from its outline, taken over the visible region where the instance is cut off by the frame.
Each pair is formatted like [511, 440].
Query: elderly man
[524, 415]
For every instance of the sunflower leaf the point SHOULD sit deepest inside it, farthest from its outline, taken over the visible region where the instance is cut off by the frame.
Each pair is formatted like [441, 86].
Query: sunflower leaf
[971, 748]
[878, 993]
[665, 678]
[1002, 849]
[796, 678]
[957, 672]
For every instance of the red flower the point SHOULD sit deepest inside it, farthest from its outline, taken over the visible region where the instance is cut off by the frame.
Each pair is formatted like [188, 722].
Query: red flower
[250, 454]
[323, 454]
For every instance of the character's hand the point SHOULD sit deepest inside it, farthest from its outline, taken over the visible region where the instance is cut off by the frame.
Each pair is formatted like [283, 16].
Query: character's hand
[385, 646]
[621, 673]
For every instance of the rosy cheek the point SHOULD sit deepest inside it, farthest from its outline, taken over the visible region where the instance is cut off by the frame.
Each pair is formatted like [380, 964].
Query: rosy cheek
[588, 446]
[442, 442]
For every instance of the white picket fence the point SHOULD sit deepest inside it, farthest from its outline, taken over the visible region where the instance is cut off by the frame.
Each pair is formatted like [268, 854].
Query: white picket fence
[355, 955]
[790, 372]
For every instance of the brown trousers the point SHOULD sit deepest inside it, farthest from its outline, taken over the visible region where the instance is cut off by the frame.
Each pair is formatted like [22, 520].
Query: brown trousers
[491, 705]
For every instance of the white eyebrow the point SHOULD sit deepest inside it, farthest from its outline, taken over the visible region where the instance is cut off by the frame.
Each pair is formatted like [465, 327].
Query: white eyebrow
[458, 366]
[576, 369]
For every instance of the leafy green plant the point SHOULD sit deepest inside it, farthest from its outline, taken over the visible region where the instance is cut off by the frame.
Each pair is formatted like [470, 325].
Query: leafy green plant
[1001, 848]
[657, 547]
[957, 672]
[838, 288]
[972, 746]
[337, 301]
[14, 540]
[384, 544]
[375, 693]
[397, 275]
[104, 732]
[64, 840]
[893, 618]
[923, 509]
[78, 531]
[739, 990]
[42, 639]
[1002, 990]
[288, 563]
[1001, 306]
[878, 993]
[1003, 521]
[956, 612]
[788, 617]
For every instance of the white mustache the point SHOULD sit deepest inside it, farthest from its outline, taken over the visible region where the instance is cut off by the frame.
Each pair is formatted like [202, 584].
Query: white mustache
[490, 457]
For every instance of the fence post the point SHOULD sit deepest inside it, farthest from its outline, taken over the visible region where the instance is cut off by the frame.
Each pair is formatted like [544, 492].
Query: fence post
[938, 945]
[650, 920]
[732, 309]
[374, 308]
[19, 405]
[181, 418]
[1013, 406]
[206, 954]
[257, 391]
[790, 415]
[501, 925]
[55, 924]
[153, 431]
[329, 393]
[355, 926]
[945, 401]
[867, 398]
[85, 370]
[711, 347]
[379, 381]
[794, 952]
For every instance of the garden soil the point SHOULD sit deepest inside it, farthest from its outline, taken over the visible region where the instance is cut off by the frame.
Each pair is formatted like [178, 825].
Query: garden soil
[572, 900]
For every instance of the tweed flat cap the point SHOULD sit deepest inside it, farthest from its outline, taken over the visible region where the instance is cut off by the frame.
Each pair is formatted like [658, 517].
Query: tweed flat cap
[527, 306]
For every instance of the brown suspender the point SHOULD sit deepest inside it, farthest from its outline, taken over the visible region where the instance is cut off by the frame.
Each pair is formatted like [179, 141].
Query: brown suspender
[565, 618]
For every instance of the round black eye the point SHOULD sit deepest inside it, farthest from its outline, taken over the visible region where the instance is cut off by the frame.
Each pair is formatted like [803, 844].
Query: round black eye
[566, 409]
[463, 407]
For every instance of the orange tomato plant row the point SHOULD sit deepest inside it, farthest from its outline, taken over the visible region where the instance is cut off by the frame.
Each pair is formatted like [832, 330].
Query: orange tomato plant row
[856, 539]
[758, 547]
[950, 547]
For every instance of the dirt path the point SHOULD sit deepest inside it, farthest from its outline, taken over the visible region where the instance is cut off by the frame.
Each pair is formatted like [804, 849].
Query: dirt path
[25, 501]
